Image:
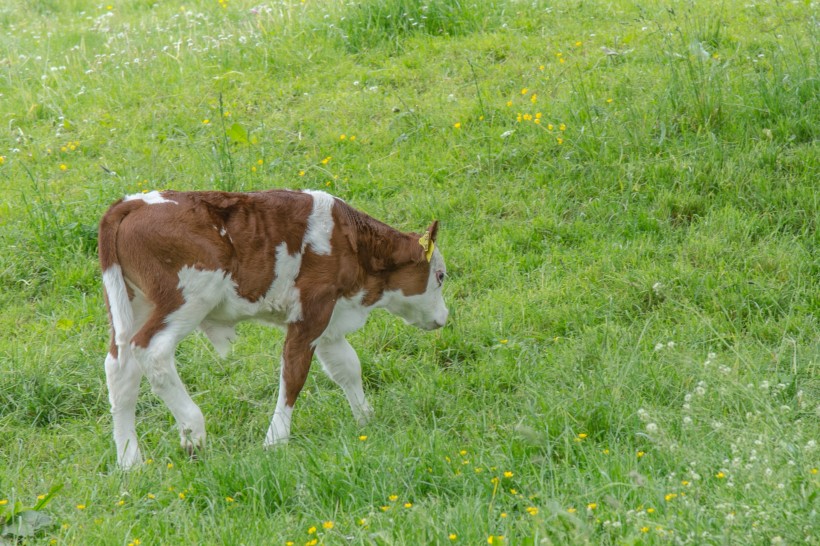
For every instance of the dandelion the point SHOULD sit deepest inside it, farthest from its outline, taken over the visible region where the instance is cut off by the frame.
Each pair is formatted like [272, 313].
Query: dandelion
[532, 510]
[463, 452]
[120, 502]
[393, 498]
[384, 508]
[534, 98]
[301, 173]
[670, 496]
[644, 529]
[578, 44]
[362, 438]
[352, 138]
[527, 117]
[720, 475]
[684, 483]
[650, 510]
[641, 454]
[170, 466]
[518, 118]
[509, 103]
[260, 161]
[524, 91]
[813, 471]
[562, 127]
[181, 495]
[582, 435]
[452, 536]
[326, 160]
[229, 499]
[343, 137]
[571, 510]
[311, 530]
[313, 542]
[457, 125]
[4, 502]
[538, 115]
[2, 159]
[559, 140]
[206, 121]
[362, 522]
[592, 506]
[513, 491]
[327, 525]
[149, 461]
[81, 507]
[150, 496]
[63, 167]
[408, 505]
[503, 514]
[609, 101]
[494, 480]
[508, 474]
[541, 68]
[561, 60]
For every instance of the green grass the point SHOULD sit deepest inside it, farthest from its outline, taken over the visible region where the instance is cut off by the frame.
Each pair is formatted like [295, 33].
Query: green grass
[634, 286]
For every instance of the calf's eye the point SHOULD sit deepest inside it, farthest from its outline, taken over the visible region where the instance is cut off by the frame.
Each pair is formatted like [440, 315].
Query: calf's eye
[440, 277]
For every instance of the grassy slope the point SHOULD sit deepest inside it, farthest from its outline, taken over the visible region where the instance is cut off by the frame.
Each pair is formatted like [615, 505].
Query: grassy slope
[645, 277]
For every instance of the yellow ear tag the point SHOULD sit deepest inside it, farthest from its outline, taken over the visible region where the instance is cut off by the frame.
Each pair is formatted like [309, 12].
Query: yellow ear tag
[427, 245]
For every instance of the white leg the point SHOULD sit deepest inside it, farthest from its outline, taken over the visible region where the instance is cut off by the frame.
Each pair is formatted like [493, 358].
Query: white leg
[158, 364]
[279, 430]
[123, 376]
[341, 363]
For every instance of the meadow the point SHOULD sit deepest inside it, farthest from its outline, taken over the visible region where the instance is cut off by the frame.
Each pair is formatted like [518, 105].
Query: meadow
[628, 198]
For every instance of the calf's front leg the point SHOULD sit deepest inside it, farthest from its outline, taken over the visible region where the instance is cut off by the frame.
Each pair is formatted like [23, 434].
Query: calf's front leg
[341, 363]
[295, 364]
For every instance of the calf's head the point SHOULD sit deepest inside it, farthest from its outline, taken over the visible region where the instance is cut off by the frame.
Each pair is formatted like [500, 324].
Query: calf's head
[413, 290]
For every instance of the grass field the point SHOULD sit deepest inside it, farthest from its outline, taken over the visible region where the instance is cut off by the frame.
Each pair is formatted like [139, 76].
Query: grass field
[628, 197]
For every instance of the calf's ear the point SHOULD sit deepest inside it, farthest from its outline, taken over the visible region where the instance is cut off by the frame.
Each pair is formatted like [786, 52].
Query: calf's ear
[433, 230]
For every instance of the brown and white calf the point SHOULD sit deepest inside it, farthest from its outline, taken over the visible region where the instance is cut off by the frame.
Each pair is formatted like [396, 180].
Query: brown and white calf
[303, 261]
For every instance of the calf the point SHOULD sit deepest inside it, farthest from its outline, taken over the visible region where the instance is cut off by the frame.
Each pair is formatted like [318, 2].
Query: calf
[303, 261]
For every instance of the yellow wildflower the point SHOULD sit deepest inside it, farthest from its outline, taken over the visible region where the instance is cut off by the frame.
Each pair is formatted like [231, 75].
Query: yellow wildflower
[393, 498]
[326, 160]
[229, 499]
[327, 525]
[362, 438]
[81, 507]
[534, 98]
[408, 505]
[457, 125]
[592, 506]
[508, 474]
[63, 167]
[571, 510]
[562, 127]
[452, 536]
[720, 475]
[524, 91]
[644, 529]
[532, 510]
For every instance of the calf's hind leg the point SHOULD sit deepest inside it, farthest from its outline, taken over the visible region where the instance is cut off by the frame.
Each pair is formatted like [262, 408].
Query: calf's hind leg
[123, 375]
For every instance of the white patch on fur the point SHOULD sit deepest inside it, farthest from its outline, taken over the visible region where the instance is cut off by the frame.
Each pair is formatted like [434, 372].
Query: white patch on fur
[320, 223]
[151, 198]
[426, 310]
[122, 316]
[211, 297]
[348, 316]
[283, 297]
